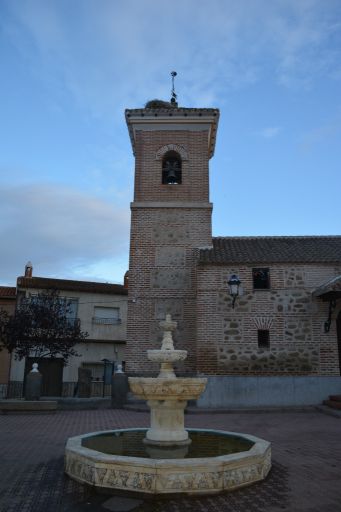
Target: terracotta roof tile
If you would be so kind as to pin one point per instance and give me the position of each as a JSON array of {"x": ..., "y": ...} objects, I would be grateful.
[
  {"x": 7, "y": 291},
  {"x": 67, "y": 284},
  {"x": 273, "y": 249}
]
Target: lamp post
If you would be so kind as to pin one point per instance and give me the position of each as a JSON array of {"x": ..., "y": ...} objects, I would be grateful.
[{"x": 234, "y": 283}]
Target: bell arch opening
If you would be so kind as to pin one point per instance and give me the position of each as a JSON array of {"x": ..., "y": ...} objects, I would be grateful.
[{"x": 171, "y": 168}]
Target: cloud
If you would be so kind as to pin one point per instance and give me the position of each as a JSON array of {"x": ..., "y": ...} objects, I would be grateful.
[
  {"x": 306, "y": 41},
  {"x": 63, "y": 232},
  {"x": 270, "y": 132},
  {"x": 121, "y": 53}
]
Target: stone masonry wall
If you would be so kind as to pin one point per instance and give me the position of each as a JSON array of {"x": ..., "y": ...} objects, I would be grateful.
[{"x": 227, "y": 340}]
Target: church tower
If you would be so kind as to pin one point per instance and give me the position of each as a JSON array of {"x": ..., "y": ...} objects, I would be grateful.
[{"x": 170, "y": 220}]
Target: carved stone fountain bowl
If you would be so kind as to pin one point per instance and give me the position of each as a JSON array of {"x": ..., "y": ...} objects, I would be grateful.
[
  {"x": 166, "y": 475},
  {"x": 166, "y": 356},
  {"x": 150, "y": 388}
]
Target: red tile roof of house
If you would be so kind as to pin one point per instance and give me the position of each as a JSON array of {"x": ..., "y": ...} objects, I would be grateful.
[
  {"x": 47, "y": 283},
  {"x": 8, "y": 291}
]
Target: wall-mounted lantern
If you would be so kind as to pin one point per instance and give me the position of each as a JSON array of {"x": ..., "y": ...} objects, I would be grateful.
[
  {"x": 327, "y": 323},
  {"x": 234, "y": 283}
]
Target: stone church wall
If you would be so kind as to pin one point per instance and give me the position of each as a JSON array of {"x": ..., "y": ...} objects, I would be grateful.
[{"x": 227, "y": 338}]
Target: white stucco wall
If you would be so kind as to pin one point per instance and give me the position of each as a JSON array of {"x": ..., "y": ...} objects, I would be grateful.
[
  {"x": 104, "y": 341},
  {"x": 92, "y": 353}
]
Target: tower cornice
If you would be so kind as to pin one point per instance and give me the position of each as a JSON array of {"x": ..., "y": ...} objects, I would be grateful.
[{"x": 173, "y": 119}]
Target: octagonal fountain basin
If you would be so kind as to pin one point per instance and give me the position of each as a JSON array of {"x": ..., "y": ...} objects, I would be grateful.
[{"x": 215, "y": 461}]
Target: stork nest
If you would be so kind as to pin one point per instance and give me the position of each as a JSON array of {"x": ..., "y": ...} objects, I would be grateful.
[{"x": 158, "y": 104}]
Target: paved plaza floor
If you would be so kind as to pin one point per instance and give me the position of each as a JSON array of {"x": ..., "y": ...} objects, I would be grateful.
[{"x": 306, "y": 472}]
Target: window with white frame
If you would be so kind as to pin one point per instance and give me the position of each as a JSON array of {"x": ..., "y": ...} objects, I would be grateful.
[{"x": 106, "y": 316}]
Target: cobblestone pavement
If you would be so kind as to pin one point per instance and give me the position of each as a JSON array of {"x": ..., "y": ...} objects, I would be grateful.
[{"x": 306, "y": 473}]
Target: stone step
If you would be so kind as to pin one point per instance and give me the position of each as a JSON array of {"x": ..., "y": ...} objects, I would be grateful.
[
  {"x": 28, "y": 406},
  {"x": 335, "y": 398},
  {"x": 329, "y": 411},
  {"x": 334, "y": 404}
]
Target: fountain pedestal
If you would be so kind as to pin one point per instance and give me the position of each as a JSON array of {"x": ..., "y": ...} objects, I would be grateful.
[
  {"x": 166, "y": 394},
  {"x": 167, "y": 422}
]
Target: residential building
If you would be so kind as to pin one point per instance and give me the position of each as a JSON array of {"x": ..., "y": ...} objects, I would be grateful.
[{"x": 102, "y": 311}]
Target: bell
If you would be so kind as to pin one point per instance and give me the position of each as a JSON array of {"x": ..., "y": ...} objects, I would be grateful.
[
  {"x": 171, "y": 176},
  {"x": 170, "y": 171}
]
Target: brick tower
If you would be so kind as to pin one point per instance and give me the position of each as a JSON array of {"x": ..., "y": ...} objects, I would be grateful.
[{"x": 170, "y": 220}]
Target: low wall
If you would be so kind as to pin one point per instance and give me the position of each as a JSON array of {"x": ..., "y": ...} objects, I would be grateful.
[
  {"x": 3, "y": 391},
  {"x": 70, "y": 389},
  {"x": 229, "y": 391}
]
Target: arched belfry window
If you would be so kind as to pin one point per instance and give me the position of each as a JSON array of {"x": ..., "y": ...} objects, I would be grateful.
[{"x": 171, "y": 168}]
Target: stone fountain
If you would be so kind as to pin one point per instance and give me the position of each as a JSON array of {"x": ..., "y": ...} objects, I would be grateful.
[
  {"x": 167, "y": 458},
  {"x": 167, "y": 395}
]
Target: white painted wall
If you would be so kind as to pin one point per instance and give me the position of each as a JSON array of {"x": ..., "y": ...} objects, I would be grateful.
[{"x": 92, "y": 353}]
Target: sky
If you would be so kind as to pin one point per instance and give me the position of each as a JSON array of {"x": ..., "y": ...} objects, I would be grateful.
[{"x": 68, "y": 70}]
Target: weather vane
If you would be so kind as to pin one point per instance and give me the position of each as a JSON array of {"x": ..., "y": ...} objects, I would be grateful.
[{"x": 174, "y": 96}]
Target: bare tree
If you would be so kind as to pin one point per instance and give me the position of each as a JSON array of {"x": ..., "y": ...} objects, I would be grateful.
[{"x": 42, "y": 326}]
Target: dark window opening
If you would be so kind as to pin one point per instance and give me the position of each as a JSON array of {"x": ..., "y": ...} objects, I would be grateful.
[
  {"x": 171, "y": 169},
  {"x": 263, "y": 338},
  {"x": 261, "y": 278}
]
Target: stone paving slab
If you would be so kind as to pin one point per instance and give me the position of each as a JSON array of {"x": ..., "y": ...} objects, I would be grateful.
[{"x": 306, "y": 473}]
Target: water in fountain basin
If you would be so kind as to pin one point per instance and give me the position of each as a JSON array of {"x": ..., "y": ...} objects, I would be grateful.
[{"x": 130, "y": 444}]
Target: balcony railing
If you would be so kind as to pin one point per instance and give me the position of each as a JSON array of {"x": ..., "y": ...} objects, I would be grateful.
[{"x": 106, "y": 321}]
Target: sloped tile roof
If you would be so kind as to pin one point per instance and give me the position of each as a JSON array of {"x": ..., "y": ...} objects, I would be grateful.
[
  {"x": 46, "y": 283},
  {"x": 7, "y": 291},
  {"x": 273, "y": 249},
  {"x": 333, "y": 285}
]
